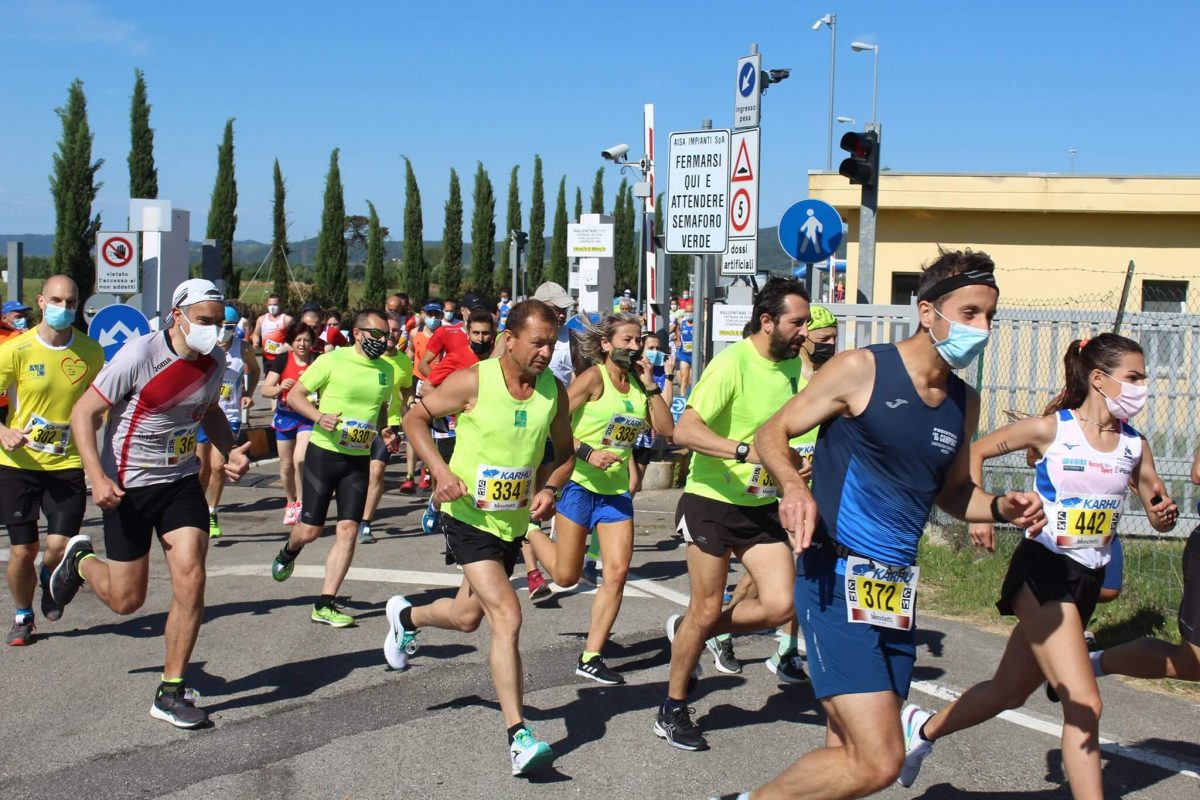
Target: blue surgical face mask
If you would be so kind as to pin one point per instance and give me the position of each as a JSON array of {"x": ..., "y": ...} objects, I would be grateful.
[
  {"x": 19, "y": 323},
  {"x": 656, "y": 358},
  {"x": 962, "y": 344},
  {"x": 431, "y": 323},
  {"x": 58, "y": 317},
  {"x": 448, "y": 316}
]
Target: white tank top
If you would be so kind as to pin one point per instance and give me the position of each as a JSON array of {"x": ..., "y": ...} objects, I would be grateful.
[
  {"x": 1083, "y": 491},
  {"x": 232, "y": 384}
]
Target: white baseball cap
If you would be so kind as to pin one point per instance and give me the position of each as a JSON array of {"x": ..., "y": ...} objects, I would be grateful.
[{"x": 196, "y": 290}]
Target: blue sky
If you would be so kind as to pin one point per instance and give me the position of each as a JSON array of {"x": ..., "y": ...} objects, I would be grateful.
[{"x": 972, "y": 87}]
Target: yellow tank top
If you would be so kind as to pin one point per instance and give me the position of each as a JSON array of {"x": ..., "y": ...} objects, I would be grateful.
[{"x": 611, "y": 423}]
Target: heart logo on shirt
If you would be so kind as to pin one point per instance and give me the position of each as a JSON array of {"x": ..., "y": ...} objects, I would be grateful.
[{"x": 75, "y": 369}]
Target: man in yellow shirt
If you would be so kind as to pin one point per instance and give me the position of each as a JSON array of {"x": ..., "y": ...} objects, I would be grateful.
[{"x": 40, "y": 470}]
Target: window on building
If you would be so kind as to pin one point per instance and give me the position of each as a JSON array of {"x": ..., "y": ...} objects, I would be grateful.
[
  {"x": 904, "y": 287},
  {"x": 1168, "y": 296}
]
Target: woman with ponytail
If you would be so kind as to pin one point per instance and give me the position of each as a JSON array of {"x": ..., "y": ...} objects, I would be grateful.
[
  {"x": 1087, "y": 456},
  {"x": 610, "y": 403}
]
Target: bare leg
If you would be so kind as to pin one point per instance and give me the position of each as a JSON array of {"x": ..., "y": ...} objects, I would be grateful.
[
  {"x": 287, "y": 467},
  {"x": 298, "y": 460},
  {"x": 773, "y": 571},
  {"x": 374, "y": 489},
  {"x": 337, "y": 563},
  {"x": 463, "y": 612},
  {"x": 503, "y": 610},
  {"x": 707, "y": 575},
  {"x": 185, "y": 550},
  {"x": 120, "y": 585},
  {"x": 216, "y": 478},
  {"x": 616, "y": 545},
  {"x": 22, "y": 578},
  {"x": 1153, "y": 658},
  {"x": 562, "y": 559}
]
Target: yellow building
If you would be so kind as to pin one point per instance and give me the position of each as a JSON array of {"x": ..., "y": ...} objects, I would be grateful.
[{"x": 1053, "y": 237}]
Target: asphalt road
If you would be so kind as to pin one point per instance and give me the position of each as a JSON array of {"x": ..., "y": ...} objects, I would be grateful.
[{"x": 305, "y": 711}]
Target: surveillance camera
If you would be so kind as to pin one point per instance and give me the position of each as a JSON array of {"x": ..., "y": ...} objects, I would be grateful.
[
  {"x": 778, "y": 75},
  {"x": 616, "y": 152}
]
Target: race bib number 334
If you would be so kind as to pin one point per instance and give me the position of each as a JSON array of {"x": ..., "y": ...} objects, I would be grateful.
[
  {"x": 502, "y": 488},
  {"x": 877, "y": 594}
]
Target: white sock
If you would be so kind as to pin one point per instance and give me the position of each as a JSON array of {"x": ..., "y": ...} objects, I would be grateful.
[
  {"x": 212, "y": 510},
  {"x": 1095, "y": 657}
]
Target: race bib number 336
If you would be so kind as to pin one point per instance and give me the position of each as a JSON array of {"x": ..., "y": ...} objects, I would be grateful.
[
  {"x": 502, "y": 488},
  {"x": 877, "y": 594}
]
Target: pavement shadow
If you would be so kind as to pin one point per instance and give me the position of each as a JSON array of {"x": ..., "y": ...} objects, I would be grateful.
[
  {"x": 658, "y": 570},
  {"x": 931, "y": 639},
  {"x": 791, "y": 703}
]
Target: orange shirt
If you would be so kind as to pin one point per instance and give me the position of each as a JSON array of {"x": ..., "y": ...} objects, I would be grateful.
[
  {"x": 420, "y": 343},
  {"x": 5, "y": 334}
]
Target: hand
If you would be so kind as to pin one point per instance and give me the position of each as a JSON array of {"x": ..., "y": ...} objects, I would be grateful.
[
  {"x": 1164, "y": 512},
  {"x": 645, "y": 373},
  {"x": 602, "y": 459},
  {"x": 391, "y": 439},
  {"x": 669, "y": 366},
  {"x": 542, "y": 507},
  {"x": 804, "y": 467},
  {"x": 798, "y": 515},
  {"x": 287, "y": 384},
  {"x": 11, "y": 438},
  {"x": 1023, "y": 509},
  {"x": 329, "y": 421},
  {"x": 105, "y": 493},
  {"x": 238, "y": 463},
  {"x": 247, "y": 401},
  {"x": 450, "y": 487},
  {"x": 982, "y": 535}
]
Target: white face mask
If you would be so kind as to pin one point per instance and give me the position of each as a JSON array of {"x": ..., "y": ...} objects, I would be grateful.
[
  {"x": 201, "y": 338},
  {"x": 1128, "y": 402},
  {"x": 227, "y": 335},
  {"x": 273, "y": 310}
]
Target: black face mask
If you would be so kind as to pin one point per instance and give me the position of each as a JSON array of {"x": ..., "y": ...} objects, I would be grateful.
[
  {"x": 481, "y": 349},
  {"x": 624, "y": 357},
  {"x": 373, "y": 348},
  {"x": 822, "y": 353}
]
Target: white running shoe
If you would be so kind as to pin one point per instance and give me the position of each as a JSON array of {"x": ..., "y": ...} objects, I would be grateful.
[
  {"x": 400, "y": 643},
  {"x": 912, "y": 719}
]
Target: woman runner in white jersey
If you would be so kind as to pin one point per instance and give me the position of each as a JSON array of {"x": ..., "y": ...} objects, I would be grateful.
[{"x": 1088, "y": 456}]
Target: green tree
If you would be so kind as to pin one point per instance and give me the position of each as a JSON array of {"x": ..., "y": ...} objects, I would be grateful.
[
  {"x": 598, "y": 192},
  {"x": 535, "y": 256},
  {"x": 143, "y": 177},
  {"x": 222, "y": 214},
  {"x": 578, "y": 203},
  {"x": 483, "y": 231},
  {"x": 73, "y": 186},
  {"x": 503, "y": 276},
  {"x": 450, "y": 277},
  {"x": 623, "y": 251},
  {"x": 414, "y": 277},
  {"x": 330, "y": 285},
  {"x": 374, "y": 282},
  {"x": 279, "y": 246},
  {"x": 559, "y": 267}
]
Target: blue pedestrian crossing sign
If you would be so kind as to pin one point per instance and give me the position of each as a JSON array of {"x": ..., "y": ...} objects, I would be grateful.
[
  {"x": 114, "y": 325},
  {"x": 811, "y": 231}
]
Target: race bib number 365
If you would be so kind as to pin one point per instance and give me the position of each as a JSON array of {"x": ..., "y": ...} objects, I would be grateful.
[
  {"x": 502, "y": 488},
  {"x": 880, "y": 595},
  {"x": 181, "y": 444}
]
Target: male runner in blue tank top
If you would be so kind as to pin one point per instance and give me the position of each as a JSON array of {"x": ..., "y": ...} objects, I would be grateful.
[{"x": 896, "y": 425}]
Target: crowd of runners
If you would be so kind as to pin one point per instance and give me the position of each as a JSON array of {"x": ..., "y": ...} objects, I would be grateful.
[{"x": 529, "y": 425}]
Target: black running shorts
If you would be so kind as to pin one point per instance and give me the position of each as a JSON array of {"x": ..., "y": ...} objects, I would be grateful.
[
  {"x": 147, "y": 510},
  {"x": 717, "y": 527},
  {"x": 379, "y": 451},
  {"x": 327, "y": 474},
  {"x": 25, "y": 493},
  {"x": 469, "y": 544},
  {"x": 1189, "y": 607},
  {"x": 1052, "y": 577}
]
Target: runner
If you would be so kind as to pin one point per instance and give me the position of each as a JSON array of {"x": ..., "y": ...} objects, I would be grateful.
[
  {"x": 663, "y": 370},
  {"x": 292, "y": 429},
  {"x": 381, "y": 455},
  {"x": 507, "y": 409},
  {"x": 331, "y": 336},
  {"x": 502, "y": 309},
  {"x": 157, "y": 391},
  {"x": 609, "y": 403},
  {"x": 450, "y": 337},
  {"x": 270, "y": 330},
  {"x": 557, "y": 298},
  {"x": 47, "y": 370},
  {"x": 895, "y": 424},
  {"x": 1089, "y": 456},
  {"x": 728, "y": 505},
  {"x": 684, "y": 334},
  {"x": 237, "y": 395},
  {"x": 355, "y": 386},
  {"x": 431, "y": 320}
]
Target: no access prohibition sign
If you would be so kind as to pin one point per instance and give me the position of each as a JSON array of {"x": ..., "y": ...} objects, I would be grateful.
[
  {"x": 117, "y": 264},
  {"x": 117, "y": 252}
]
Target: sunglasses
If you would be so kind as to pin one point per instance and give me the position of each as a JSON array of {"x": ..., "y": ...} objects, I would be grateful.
[{"x": 374, "y": 333}]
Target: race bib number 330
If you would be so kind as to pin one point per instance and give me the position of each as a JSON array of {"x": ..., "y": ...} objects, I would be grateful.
[
  {"x": 877, "y": 594},
  {"x": 502, "y": 488},
  {"x": 356, "y": 434}
]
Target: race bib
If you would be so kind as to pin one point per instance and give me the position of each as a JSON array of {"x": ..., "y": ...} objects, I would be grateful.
[
  {"x": 805, "y": 450},
  {"x": 356, "y": 434},
  {"x": 880, "y": 595},
  {"x": 687, "y": 347},
  {"x": 271, "y": 347},
  {"x": 502, "y": 488},
  {"x": 1088, "y": 521},
  {"x": 181, "y": 444},
  {"x": 48, "y": 437},
  {"x": 761, "y": 483},
  {"x": 621, "y": 432},
  {"x": 226, "y": 391}
]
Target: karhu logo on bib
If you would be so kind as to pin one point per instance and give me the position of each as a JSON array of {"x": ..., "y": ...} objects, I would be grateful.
[{"x": 519, "y": 418}]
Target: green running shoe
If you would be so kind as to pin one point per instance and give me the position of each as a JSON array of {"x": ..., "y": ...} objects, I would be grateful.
[
  {"x": 528, "y": 753},
  {"x": 281, "y": 567},
  {"x": 214, "y": 527},
  {"x": 330, "y": 615}
]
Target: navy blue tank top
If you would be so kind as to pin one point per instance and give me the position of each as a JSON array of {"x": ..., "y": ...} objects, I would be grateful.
[{"x": 877, "y": 474}]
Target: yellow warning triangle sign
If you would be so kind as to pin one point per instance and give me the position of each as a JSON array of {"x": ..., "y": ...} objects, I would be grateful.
[{"x": 741, "y": 167}]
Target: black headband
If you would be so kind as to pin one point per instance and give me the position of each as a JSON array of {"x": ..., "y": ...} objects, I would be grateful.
[{"x": 947, "y": 285}]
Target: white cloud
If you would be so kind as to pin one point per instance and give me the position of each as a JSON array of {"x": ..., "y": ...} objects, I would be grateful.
[{"x": 72, "y": 22}]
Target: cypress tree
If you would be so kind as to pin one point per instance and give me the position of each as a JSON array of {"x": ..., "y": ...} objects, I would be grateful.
[
  {"x": 483, "y": 231},
  {"x": 222, "y": 214},
  {"x": 279, "y": 246},
  {"x": 375, "y": 284},
  {"x": 330, "y": 288},
  {"x": 677, "y": 264},
  {"x": 559, "y": 267},
  {"x": 450, "y": 278},
  {"x": 598, "y": 192},
  {"x": 414, "y": 277},
  {"x": 622, "y": 247},
  {"x": 143, "y": 177},
  {"x": 535, "y": 257},
  {"x": 578, "y": 203},
  {"x": 73, "y": 186},
  {"x": 503, "y": 276}
]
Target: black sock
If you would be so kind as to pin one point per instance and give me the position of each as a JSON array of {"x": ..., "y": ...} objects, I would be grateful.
[
  {"x": 289, "y": 553},
  {"x": 325, "y": 601},
  {"x": 514, "y": 730},
  {"x": 670, "y": 704},
  {"x": 921, "y": 732},
  {"x": 406, "y": 618}
]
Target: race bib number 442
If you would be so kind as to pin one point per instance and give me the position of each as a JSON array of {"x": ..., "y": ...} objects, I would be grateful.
[
  {"x": 502, "y": 488},
  {"x": 877, "y": 594},
  {"x": 1086, "y": 521}
]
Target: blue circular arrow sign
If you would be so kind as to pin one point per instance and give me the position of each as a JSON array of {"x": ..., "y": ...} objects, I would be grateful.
[
  {"x": 746, "y": 79},
  {"x": 810, "y": 231},
  {"x": 114, "y": 325}
]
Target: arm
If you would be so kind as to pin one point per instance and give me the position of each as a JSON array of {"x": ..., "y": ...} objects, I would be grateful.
[
  {"x": 1161, "y": 510},
  {"x": 542, "y": 505},
  {"x": 216, "y": 427},
  {"x": 427, "y": 360},
  {"x": 658, "y": 408},
  {"x": 85, "y": 423},
  {"x": 587, "y": 387},
  {"x": 272, "y": 387},
  {"x": 1031, "y": 434},
  {"x": 299, "y": 402},
  {"x": 457, "y": 393},
  {"x": 256, "y": 336},
  {"x": 10, "y": 438}
]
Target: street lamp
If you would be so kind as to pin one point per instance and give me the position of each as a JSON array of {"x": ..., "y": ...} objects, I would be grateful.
[
  {"x": 860, "y": 47},
  {"x": 847, "y": 121},
  {"x": 831, "y": 21}
]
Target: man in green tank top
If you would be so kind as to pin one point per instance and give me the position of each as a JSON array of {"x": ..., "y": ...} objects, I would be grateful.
[{"x": 493, "y": 486}]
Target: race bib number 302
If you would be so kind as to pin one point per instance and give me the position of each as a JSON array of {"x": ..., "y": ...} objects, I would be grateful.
[
  {"x": 880, "y": 595},
  {"x": 502, "y": 488},
  {"x": 48, "y": 437}
]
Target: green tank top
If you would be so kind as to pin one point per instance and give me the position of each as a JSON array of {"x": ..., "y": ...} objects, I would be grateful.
[
  {"x": 501, "y": 442},
  {"x": 611, "y": 423}
]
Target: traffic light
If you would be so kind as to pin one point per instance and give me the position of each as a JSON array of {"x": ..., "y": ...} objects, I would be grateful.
[
  {"x": 862, "y": 167},
  {"x": 521, "y": 238}
]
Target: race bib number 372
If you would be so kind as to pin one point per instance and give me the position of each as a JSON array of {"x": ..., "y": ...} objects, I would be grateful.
[
  {"x": 502, "y": 488},
  {"x": 877, "y": 594}
]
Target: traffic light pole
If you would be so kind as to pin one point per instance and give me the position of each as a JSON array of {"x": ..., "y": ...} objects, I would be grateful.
[{"x": 866, "y": 233}]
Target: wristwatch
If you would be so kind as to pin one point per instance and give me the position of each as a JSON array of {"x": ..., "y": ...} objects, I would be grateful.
[
  {"x": 557, "y": 491},
  {"x": 741, "y": 452}
]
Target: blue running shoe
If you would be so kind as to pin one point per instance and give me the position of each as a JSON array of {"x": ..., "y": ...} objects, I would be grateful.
[{"x": 429, "y": 519}]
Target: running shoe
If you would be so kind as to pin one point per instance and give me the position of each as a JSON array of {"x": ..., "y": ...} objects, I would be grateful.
[
  {"x": 291, "y": 513},
  {"x": 214, "y": 527},
  {"x": 429, "y": 519},
  {"x": 364, "y": 533},
  {"x": 677, "y": 728},
  {"x": 590, "y": 575},
  {"x": 408, "y": 486},
  {"x": 425, "y": 484},
  {"x": 598, "y": 671},
  {"x": 332, "y": 616},
  {"x": 51, "y": 610},
  {"x": 282, "y": 566},
  {"x": 66, "y": 580},
  {"x": 400, "y": 642},
  {"x": 538, "y": 588},
  {"x": 723, "y": 657},
  {"x": 913, "y": 718},
  {"x": 528, "y": 753},
  {"x": 788, "y": 668},
  {"x": 23, "y": 629},
  {"x": 177, "y": 706}
]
